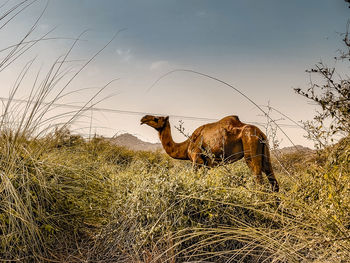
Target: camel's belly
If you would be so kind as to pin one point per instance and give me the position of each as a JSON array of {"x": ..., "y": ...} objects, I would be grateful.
[
  {"x": 218, "y": 146},
  {"x": 229, "y": 153},
  {"x": 233, "y": 152}
]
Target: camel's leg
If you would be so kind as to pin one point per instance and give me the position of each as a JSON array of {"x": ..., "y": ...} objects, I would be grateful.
[
  {"x": 267, "y": 169},
  {"x": 257, "y": 157},
  {"x": 255, "y": 165},
  {"x": 196, "y": 158},
  {"x": 252, "y": 148}
]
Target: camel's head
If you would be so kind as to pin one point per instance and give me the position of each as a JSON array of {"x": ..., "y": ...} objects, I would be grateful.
[{"x": 156, "y": 122}]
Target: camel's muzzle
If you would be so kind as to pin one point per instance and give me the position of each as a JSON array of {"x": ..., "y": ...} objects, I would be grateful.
[{"x": 145, "y": 119}]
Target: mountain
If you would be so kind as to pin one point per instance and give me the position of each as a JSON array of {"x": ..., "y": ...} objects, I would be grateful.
[
  {"x": 296, "y": 149},
  {"x": 133, "y": 143}
]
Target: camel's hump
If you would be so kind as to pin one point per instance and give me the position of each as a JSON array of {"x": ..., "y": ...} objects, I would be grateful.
[{"x": 231, "y": 118}]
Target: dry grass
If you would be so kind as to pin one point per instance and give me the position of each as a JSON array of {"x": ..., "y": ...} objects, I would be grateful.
[{"x": 65, "y": 199}]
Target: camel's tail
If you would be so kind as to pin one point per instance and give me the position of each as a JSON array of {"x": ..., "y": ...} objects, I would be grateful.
[{"x": 266, "y": 165}]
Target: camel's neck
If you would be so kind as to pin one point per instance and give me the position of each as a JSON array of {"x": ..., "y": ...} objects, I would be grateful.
[{"x": 175, "y": 150}]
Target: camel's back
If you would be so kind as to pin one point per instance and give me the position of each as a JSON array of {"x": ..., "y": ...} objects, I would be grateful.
[
  {"x": 231, "y": 120},
  {"x": 215, "y": 129}
]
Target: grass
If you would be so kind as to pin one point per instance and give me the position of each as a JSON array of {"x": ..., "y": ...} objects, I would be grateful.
[{"x": 67, "y": 199}]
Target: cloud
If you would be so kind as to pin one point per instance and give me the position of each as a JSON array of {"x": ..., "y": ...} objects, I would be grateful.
[
  {"x": 159, "y": 64},
  {"x": 124, "y": 54}
]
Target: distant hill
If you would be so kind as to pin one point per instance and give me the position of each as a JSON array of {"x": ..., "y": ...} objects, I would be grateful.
[
  {"x": 133, "y": 143},
  {"x": 296, "y": 149}
]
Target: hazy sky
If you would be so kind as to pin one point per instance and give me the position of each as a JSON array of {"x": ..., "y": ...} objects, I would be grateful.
[{"x": 261, "y": 47}]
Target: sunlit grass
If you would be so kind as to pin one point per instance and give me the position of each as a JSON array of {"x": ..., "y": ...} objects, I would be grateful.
[{"x": 67, "y": 199}]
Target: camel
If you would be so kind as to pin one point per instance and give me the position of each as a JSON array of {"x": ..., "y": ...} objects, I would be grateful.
[{"x": 225, "y": 141}]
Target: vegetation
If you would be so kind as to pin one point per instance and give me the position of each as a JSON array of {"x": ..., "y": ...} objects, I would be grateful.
[
  {"x": 67, "y": 199},
  {"x": 331, "y": 91},
  {"x": 64, "y": 198}
]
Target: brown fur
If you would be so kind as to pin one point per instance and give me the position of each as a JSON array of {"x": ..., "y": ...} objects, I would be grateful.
[{"x": 225, "y": 141}]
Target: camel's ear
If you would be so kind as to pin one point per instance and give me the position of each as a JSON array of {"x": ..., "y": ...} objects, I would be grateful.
[{"x": 166, "y": 118}]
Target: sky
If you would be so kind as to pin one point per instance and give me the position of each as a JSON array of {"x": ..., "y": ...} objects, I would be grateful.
[{"x": 261, "y": 48}]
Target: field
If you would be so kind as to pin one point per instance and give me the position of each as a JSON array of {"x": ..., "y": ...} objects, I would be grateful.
[{"x": 66, "y": 199}]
